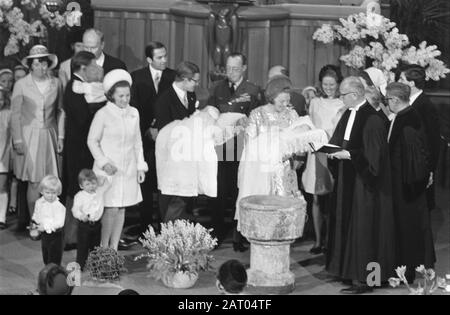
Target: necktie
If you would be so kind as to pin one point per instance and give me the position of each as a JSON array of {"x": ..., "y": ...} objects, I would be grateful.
[
  {"x": 351, "y": 120},
  {"x": 157, "y": 79},
  {"x": 391, "y": 126},
  {"x": 185, "y": 101},
  {"x": 232, "y": 89}
]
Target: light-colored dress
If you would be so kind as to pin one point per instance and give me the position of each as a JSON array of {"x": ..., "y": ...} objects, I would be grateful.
[
  {"x": 271, "y": 139},
  {"x": 325, "y": 113},
  {"x": 115, "y": 138},
  {"x": 37, "y": 120},
  {"x": 5, "y": 140}
]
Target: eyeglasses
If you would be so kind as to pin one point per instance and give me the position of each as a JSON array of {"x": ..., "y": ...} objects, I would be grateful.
[
  {"x": 343, "y": 94},
  {"x": 196, "y": 81}
]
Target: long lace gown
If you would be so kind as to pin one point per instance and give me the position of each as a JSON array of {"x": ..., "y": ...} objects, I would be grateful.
[{"x": 272, "y": 139}]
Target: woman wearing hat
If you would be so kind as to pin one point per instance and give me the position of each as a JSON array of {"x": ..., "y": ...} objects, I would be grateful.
[
  {"x": 37, "y": 122},
  {"x": 116, "y": 145}
]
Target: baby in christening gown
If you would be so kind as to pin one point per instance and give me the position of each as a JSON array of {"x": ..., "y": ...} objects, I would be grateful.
[{"x": 186, "y": 160}]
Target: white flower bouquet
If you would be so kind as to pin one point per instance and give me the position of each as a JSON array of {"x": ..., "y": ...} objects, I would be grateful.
[
  {"x": 181, "y": 246},
  {"x": 377, "y": 38},
  {"x": 427, "y": 285},
  {"x": 20, "y": 32}
]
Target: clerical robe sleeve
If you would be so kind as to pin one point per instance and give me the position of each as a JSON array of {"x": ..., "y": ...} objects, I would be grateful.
[
  {"x": 415, "y": 163},
  {"x": 368, "y": 159}
]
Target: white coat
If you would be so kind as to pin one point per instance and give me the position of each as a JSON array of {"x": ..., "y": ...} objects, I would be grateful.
[{"x": 115, "y": 137}]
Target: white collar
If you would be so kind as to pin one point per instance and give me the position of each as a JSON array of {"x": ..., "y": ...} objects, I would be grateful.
[
  {"x": 413, "y": 97},
  {"x": 79, "y": 76},
  {"x": 154, "y": 72},
  {"x": 181, "y": 93},
  {"x": 236, "y": 85},
  {"x": 357, "y": 107},
  {"x": 101, "y": 60}
]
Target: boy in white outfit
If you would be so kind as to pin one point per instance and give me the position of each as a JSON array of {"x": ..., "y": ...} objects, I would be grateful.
[{"x": 88, "y": 206}]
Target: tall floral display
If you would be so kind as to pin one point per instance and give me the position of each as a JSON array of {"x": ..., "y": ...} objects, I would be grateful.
[
  {"x": 25, "y": 22},
  {"x": 370, "y": 36}
]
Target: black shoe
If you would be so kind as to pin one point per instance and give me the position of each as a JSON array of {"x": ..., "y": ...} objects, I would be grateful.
[
  {"x": 70, "y": 247},
  {"x": 126, "y": 244},
  {"x": 316, "y": 250},
  {"x": 357, "y": 289},
  {"x": 239, "y": 247}
]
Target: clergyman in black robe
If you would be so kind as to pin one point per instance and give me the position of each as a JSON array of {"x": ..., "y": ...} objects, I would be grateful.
[
  {"x": 410, "y": 168},
  {"x": 361, "y": 226}
]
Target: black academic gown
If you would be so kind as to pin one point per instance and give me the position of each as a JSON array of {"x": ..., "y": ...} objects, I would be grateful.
[
  {"x": 361, "y": 220},
  {"x": 77, "y": 156},
  {"x": 430, "y": 119},
  {"x": 410, "y": 167}
]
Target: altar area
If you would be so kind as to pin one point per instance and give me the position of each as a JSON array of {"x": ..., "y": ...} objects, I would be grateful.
[{"x": 269, "y": 34}]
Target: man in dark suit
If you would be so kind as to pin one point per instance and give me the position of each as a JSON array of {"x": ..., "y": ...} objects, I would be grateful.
[
  {"x": 297, "y": 100},
  {"x": 177, "y": 102},
  {"x": 414, "y": 77},
  {"x": 235, "y": 94},
  {"x": 148, "y": 83},
  {"x": 77, "y": 156},
  {"x": 94, "y": 42}
]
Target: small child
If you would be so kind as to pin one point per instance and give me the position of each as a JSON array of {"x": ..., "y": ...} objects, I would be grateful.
[
  {"x": 309, "y": 93},
  {"x": 88, "y": 206},
  {"x": 232, "y": 277},
  {"x": 49, "y": 216},
  {"x": 5, "y": 154}
]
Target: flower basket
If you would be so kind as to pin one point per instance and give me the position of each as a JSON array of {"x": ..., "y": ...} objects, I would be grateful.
[
  {"x": 178, "y": 253},
  {"x": 180, "y": 280}
]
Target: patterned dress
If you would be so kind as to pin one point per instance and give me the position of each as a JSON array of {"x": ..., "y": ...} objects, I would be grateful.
[{"x": 266, "y": 166}]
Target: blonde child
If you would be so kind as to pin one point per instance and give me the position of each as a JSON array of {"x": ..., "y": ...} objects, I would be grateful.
[
  {"x": 88, "y": 206},
  {"x": 5, "y": 154},
  {"x": 48, "y": 218}
]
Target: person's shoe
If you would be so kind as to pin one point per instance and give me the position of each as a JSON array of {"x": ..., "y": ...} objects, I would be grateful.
[
  {"x": 239, "y": 247},
  {"x": 125, "y": 244},
  {"x": 316, "y": 250},
  {"x": 70, "y": 247},
  {"x": 357, "y": 289},
  {"x": 3, "y": 226},
  {"x": 35, "y": 235}
]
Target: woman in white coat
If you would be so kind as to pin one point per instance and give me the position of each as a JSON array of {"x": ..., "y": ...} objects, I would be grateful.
[{"x": 116, "y": 145}]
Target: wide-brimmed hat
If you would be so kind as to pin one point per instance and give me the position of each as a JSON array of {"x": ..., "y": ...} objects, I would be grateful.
[
  {"x": 115, "y": 76},
  {"x": 40, "y": 51}
]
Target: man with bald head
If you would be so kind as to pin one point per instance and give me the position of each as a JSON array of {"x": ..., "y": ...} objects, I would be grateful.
[
  {"x": 361, "y": 227},
  {"x": 94, "y": 42}
]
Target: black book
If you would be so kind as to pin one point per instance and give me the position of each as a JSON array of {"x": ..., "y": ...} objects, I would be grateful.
[{"x": 327, "y": 148}]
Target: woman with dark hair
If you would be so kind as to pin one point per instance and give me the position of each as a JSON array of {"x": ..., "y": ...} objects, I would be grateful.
[
  {"x": 116, "y": 145},
  {"x": 325, "y": 112},
  {"x": 37, "y": 123}
]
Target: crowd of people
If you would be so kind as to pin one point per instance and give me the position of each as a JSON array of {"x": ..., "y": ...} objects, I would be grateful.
[{"x": 90, "y": 134}]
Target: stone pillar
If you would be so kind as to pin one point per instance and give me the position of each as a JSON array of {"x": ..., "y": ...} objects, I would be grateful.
[{"x": 271, "y": 224}]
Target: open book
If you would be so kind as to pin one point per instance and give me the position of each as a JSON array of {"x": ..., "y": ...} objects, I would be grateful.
[{"x": 326, "y": 148}]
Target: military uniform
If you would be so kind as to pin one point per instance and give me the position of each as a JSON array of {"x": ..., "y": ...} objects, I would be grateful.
[{"x": 229, "y": 98}]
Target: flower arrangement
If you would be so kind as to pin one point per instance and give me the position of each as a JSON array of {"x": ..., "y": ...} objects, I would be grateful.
[
  {"x": 181, "y": 246},
  {"x": 18, "y": 32},
  {"x": 427, "y": 285},
  {"x": 370, "y": 35}
]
